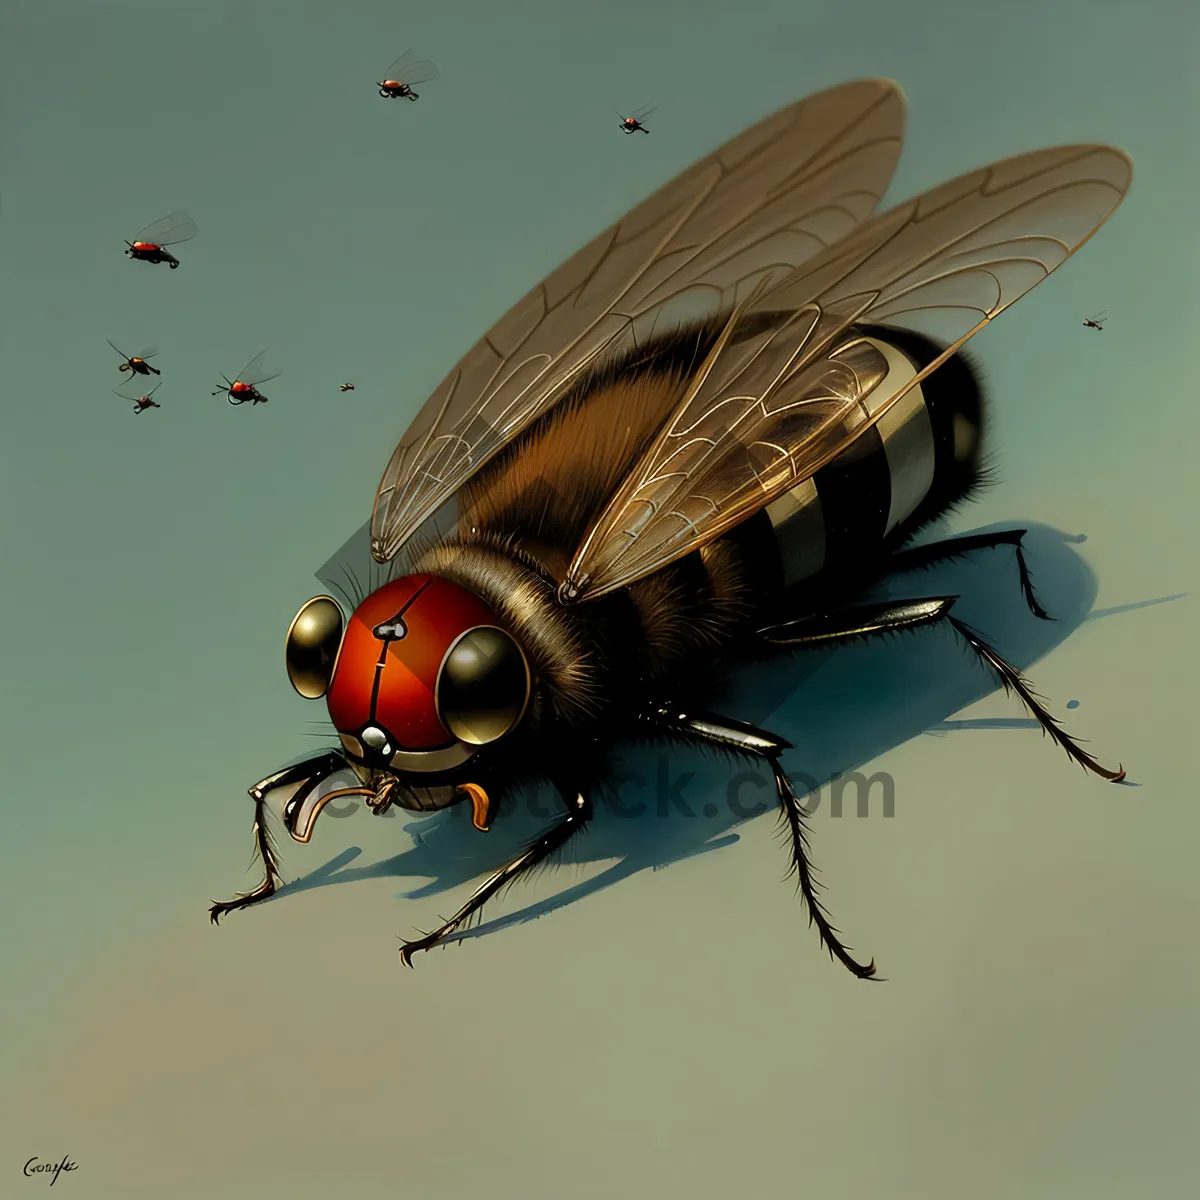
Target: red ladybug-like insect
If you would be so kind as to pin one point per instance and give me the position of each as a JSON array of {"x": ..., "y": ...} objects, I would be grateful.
[
  {"x": 634, "y": 123},
  {"x": 398, "y": 80},
  {"x": 136, "y": 364},
  {"x": 150, "y": 245},
  {"x": 140, "y": 403},
  {"x": 244, "y": 389}
]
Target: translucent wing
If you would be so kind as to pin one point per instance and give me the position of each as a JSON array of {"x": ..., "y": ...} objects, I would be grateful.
[
  {"x": 133, "y": 392},
  {"x": 149, "y": 352},
  {"x": 779, "y": 398},
  {"x": 771, "y": 198},
  {"x": 406, "y": 69},
  {"x": 169, "y": 231},
  {"x": 256, "y": 371}
]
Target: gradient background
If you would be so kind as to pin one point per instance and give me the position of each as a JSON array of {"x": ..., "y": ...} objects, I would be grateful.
[{"x": 681, "y": 1032}]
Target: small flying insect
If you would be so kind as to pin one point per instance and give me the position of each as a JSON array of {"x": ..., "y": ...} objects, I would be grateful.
[
  {"x": 151, "y": 244},
  {"x": 1096, "y": 322},
  {"x": 136, "y": 364},
  {"x": 400, "y": 77},
  {"x": 140, "y": 403},
  {"x": 643, "y": 511},
  {"x": 345, "y": 387},
  {"x": 634, "y": 123},
  {"x": 244, "y": 389}
]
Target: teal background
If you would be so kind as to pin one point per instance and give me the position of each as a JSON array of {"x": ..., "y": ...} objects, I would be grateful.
[{"x": 680, "y": 1032}]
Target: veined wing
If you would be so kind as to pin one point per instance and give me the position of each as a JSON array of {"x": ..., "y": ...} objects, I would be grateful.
[
  {"x": 769, "y": 408},
  {"x": 257, "y": 371},
  {"x": 169, "y": 230},
  {"x": 769, "y": 199},
  {"x": 406, "y": 69}
]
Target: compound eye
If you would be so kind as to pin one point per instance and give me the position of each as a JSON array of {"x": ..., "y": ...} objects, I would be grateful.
[
  {"x": 483, "y": 685},
  {"x": 312, "y": 646}
]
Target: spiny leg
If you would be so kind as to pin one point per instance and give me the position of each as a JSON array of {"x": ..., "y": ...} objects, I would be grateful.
[
  {"x": 264, "y": 848},
  {"x": 313, "y": 770},
  {"x": 793, "y": 815},
  {"x": 739, "y": 736},
  {"x": 1014, "y": 681},
  {"x": 894, "y": 616},
  {"x": 579, "y": 814},
  {"x": 920, "y": 557}
]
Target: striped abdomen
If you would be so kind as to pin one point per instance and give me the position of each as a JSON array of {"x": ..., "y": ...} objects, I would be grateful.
[{"x": 919, "y": 460}]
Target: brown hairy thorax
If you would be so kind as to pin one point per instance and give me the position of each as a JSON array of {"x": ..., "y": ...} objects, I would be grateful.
[{"x": 525, "y": 513}]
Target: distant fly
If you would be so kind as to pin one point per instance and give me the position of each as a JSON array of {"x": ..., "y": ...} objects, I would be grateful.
[
  {"x": 1096, "y": 322},
  {"x": 150, "y": 245},
  {"x": 398, "y": 81},
  {"x": 136, "y": 364},
  {"x": 634, "y": 123},
  {"x": 345, "y": 387},
  {"x": 244, "y": 389},
  {"x": 140, "y": 403}
]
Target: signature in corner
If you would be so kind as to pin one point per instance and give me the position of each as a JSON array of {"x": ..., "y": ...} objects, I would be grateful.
[{"x": 35, "y": 1167}]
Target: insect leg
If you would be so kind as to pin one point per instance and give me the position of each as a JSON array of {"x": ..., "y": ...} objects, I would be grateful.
[
  {"x": 579, "y": 814},
  {"x": 313, "y": 770},
  {"x": 898, "y": 615},
  {"x": 921, "y": 557},
  {"x": 738, "y": 736}
]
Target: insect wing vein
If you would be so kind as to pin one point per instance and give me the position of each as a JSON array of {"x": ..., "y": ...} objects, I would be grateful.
[
  {"x": 169, "y": 231},
  {"x": 777, "y": 195},
  {"x": 784, "y": 403}
]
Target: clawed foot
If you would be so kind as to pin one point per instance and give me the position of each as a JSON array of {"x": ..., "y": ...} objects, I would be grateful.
[
  {"x": 219, "y": 909},
  {"x": 425, "y": 942},
  {"x": 410, "y": 948},
  {"x": 380, "y": 800}
]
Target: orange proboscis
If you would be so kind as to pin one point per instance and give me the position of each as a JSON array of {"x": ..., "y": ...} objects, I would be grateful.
[{"x": 479, "y": 805}]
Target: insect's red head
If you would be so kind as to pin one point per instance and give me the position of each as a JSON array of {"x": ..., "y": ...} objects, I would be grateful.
[{"x": 418, "y": 680}]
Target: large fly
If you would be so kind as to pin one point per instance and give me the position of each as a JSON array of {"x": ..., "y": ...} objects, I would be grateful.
[{"x": 641, "y": 512}]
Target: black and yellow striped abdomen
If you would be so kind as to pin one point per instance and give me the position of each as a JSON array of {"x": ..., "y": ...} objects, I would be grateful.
[{"x": 917, "y": 462}]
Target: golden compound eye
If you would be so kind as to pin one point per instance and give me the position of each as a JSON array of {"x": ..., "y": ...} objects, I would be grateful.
[
  {"x": 312, "y": 646},
  {"x": 483, "y": 685}
]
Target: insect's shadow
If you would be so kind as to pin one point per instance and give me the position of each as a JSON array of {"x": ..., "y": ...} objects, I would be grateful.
[{"x": 840, "y": 708}]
